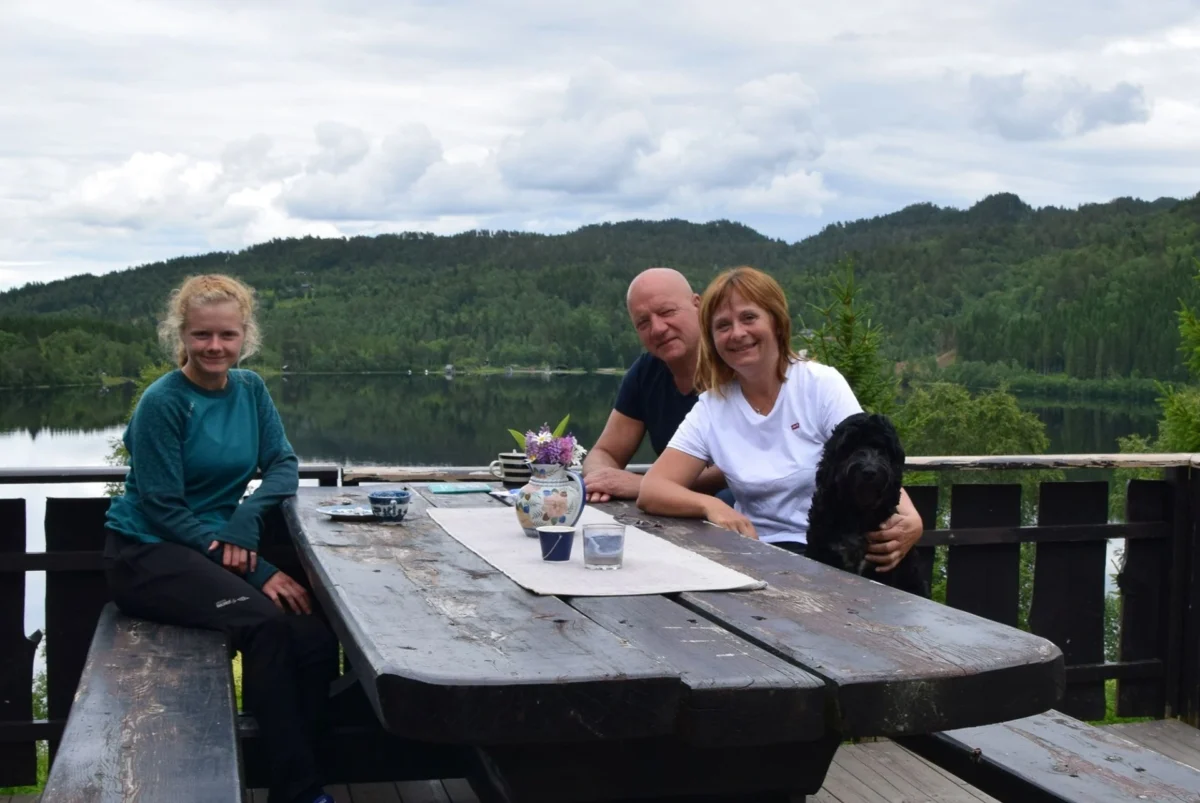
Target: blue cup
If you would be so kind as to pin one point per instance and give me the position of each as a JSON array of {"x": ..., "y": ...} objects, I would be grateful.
[
  {"x": 557, "y": 540},
  {"x": 390, "y": 505}
]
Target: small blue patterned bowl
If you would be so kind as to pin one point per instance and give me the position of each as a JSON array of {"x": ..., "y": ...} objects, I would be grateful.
[{"x": 390, "y": 505}]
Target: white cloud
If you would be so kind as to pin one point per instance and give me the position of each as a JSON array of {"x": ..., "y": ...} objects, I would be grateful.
[{"x": 143, "y": 131}]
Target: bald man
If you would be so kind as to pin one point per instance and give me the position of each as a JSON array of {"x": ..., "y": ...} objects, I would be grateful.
[{"x": 656, "y": 393}]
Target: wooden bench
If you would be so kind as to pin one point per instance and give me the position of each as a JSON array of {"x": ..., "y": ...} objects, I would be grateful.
[
  {"x": 153, "y": 719},
  {"x": 1054, "y": 757}
]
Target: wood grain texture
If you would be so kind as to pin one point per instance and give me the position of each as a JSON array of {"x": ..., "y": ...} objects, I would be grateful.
[
  {"x": 18, "y": 760},
  {"x": 985, "y": 580},
  {"x": 73, "y": 599},
  {"x": 898, "y": 663},
  {"x": 737, "y": 693},
  {"x": 153, "y": 719},
  {"x": 1145, "y": 593},
  {"x": 1174, "y": 739},
  {"x": 1068, "y": 589},
  {"x": 1057, "y": 758},
  {"x": 450, "y": 650}
]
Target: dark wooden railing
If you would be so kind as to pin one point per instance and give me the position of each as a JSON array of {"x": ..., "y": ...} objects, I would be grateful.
[{"x": 981, "y": 533}]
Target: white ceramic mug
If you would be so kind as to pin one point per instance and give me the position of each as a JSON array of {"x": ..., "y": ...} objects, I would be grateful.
[{"x": 511, "y": 467}]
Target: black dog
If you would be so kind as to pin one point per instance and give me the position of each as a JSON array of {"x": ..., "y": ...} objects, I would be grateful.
[{"x": 857, "y": 490}]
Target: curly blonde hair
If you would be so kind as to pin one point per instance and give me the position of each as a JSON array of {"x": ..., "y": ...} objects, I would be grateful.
[
  {"x": 712, "y": 372},
  {"x": 197, "y": 291}
]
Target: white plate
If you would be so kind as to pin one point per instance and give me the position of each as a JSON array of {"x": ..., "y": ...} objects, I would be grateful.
[{"x": 347, "y": 513}]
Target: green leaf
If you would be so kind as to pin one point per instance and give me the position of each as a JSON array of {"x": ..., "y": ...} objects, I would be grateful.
[
  {"x": 562, "y": 426},
  {"x": 520, "y": 438}
]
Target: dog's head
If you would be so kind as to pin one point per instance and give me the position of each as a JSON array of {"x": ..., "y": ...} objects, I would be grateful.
[{"x": 863, "y": 465}]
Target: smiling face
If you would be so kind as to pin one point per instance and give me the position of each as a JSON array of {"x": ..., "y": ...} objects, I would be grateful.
[
  {"x": 212, "y": 335},
  {"x": 745, "y": 335},
  {"x": 665, "y": 313}
]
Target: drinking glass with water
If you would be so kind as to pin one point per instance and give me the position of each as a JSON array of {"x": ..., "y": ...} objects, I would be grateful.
[{"x": 603, "y": 546}]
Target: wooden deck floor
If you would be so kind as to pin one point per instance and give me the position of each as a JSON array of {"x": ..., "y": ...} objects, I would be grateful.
[{"x": 1170, "y": 737}]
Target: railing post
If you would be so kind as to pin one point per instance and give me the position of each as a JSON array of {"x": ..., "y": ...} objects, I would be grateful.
[
  {"x": 1181, "y": 537},
  {"x": 1189, "y": 633}
]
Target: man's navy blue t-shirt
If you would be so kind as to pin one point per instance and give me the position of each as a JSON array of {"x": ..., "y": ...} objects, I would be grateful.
[{"x": 648, "y": 394}]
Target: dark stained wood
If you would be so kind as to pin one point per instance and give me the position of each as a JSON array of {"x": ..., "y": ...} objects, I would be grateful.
[
  {"x": 1144, "y": 582},
  {"x": 18, "y": 762},
  {"x": 83, "y": 561},
  {"x": 1053, "y": 757},
  {"x": 900, "y": 664},
  {"x": 419, "y": 792},
  {"x": 1049, "y": 461},
  {"x": 1189, "y": 692},
  {"x": 516, "y": 662},
  {"x": 73, "y": 599},
  {"x": 324, "y": 473},
  {"x": 154, "y": 719},
  {"x": 1091, "y": 673},
  {"x": 459, "y": 790},
  {"x": 978, "y": 536},
  {"x": 1174, "y": 739},
  {"x": 985, "y": 580},
  {"x": 738, "y": 694},
  {"x": 649, "y": 769},
  {"x": 884, "y": 772},
  {"x": 1184, "y": 526},
  {"x": 1068, "y": 589},
  {"x": 925, "y": 500}
]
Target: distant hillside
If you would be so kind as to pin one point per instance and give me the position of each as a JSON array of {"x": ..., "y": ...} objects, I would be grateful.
[{"x": 1090, "y": 292}]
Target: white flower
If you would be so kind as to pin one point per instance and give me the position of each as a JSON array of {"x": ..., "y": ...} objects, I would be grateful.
[{"x": 543, "y": 437}]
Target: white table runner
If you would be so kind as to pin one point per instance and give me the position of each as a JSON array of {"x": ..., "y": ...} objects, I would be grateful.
[{"x": 651, "y": 564}]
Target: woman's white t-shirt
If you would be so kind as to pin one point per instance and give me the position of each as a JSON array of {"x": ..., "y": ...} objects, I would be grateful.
[{"x": 770, "y": 461}]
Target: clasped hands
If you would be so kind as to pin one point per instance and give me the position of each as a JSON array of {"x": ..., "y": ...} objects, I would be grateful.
[{"x": 282, "y": 590}]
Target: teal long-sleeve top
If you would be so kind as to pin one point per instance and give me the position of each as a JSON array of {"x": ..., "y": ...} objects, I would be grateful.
[{"x": 192, "y": 454}]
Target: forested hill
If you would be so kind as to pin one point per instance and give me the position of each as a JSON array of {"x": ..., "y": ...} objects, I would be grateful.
[{"x": 1090, "y": 292}]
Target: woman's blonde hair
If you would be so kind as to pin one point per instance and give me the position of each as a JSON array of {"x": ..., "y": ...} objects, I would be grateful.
[
  {"x": 758, "y": 288},
  {"x": 199, "y": 291}
]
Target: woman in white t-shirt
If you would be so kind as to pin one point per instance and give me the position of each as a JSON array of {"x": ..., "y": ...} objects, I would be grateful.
[{"x": 763, "y": 417}]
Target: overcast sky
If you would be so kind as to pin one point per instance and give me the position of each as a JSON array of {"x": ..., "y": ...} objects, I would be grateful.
[{"x": 139, "y": 131}]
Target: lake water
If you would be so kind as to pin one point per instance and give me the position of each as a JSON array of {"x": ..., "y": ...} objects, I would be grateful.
[{"x": 395, "y": 420}]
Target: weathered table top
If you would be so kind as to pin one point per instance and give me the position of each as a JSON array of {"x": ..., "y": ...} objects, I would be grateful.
[{"x": 449, "y": 649}]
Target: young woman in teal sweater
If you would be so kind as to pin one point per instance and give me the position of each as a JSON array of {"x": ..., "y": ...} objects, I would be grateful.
[{"x": 182, "y": 547}]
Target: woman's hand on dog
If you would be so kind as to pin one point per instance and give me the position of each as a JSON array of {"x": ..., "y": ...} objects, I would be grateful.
[
  {"x": 891, "y": 542},
  {"x": 726, "y": 517}
]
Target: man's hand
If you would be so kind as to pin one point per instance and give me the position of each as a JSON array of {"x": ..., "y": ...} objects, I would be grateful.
[
  {"x": 236, "y": 559},
  {"x": 607, "y": 483},
  {"x": 891, "y": 542},
  {"x": 287, "y": 593},
  {"x": 726, "y": 517}
]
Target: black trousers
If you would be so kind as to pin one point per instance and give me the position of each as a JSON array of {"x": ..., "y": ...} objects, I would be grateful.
[{"x": 288, "y": 660}]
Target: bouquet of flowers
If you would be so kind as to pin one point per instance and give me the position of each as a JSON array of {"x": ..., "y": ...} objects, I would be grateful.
[{"x": 549, "y": 447}]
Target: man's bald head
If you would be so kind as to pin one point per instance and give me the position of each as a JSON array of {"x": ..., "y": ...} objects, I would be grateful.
[
  {"x": 666, "y": 314},
  {"x": 658, "y": 282}
]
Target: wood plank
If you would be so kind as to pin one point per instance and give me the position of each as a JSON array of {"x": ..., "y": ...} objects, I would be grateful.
[
  {"x": 1189, "y": 693},
  {"x": 910, "y": 771},
  {"x": 925, "y": 500},
  {"x": 737, "y": 693},
  {"x": 1054, "y": 757},
  {"x": 459, "y": 790},
  {"x": 899, "y": 663},
  {"x": 516, "y": 662},
  {"x": 985, "y": 580},
  {"x": 339, "y": 792},
  {"x": 153, "y": 720},
  {"x": 1172, "y": 738},
  {"x": 1068, "y": 589},
  {"x": 73, "y": 599},
  {"x": 1144, "y": 582},
  {"x": 18, "y": 760},
  {"x": 374, "y": 793},
  {"x": 421, "y": 792}
]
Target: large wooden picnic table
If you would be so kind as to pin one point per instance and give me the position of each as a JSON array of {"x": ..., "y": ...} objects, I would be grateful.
[{"x": 713, "y": 694}]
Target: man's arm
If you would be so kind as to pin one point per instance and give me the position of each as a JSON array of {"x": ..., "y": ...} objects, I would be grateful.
[{"x": 604, "y": 466}]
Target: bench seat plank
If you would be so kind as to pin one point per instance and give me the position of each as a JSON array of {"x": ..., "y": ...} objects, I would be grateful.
[
  {"x": 1054, "y": 757},
  {"x": 900, "y": 664},
  {"x": 153, "y": 719}
]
